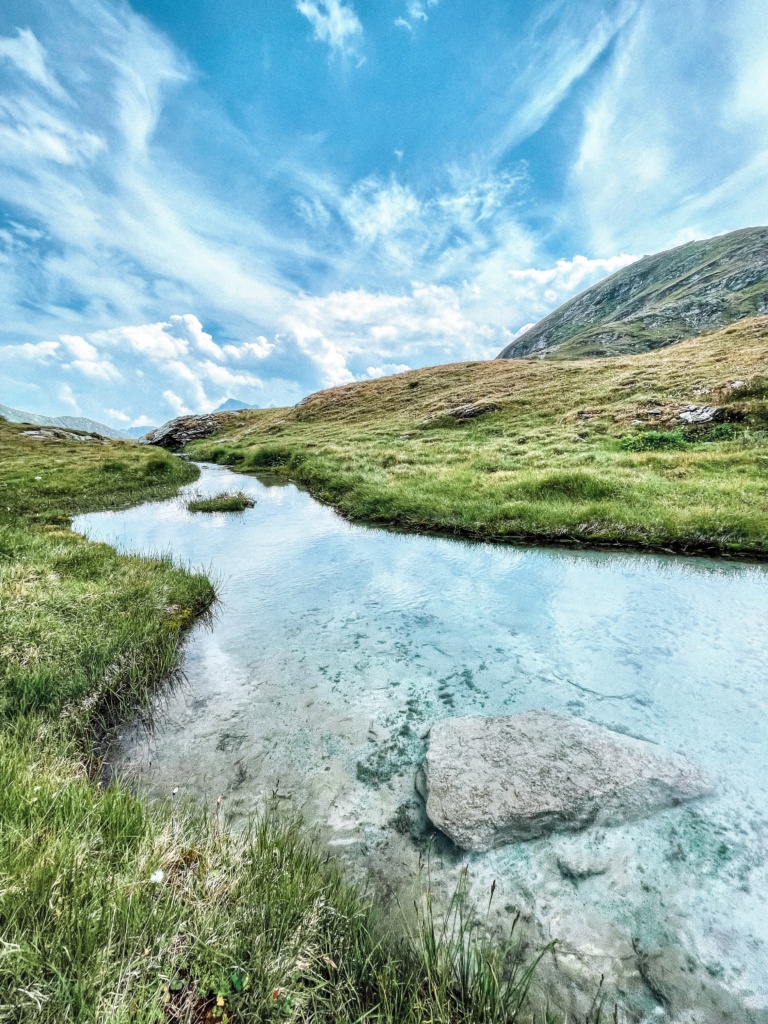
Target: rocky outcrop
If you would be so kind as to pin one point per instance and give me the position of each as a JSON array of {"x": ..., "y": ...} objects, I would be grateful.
[
  {"x": 708, "y": 414},
  {"x": 492, "y": 781},
  {"x": 469, "y": 411},
  {"x": 175, "y": 434},
  {"x": 56, "y": 434}
]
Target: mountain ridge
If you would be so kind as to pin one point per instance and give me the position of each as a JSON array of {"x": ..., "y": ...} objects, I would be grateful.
[
  {"x": 658, "y": 300},
  {"x": 67, "y": 422}
]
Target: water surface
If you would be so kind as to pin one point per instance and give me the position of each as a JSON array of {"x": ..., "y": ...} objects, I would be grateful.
[{"x": 335, "y": 646}]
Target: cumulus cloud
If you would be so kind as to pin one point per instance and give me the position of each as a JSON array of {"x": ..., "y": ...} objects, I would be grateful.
[
  {"x": 65, "y": 394},
  {"x": 149, "y": 362},
  {"x": 335, "y": 23},
  {"x": 176, "y": 403},
  {"x": 344, "y": 332},
  {"x": 32, "y": 352},
  {"x": 386, "y": 370}
]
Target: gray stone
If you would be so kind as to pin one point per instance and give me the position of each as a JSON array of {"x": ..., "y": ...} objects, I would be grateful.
[
  {"x": 471, "y": 411},
  {"x": 175, "y": 434},
  {"x": 701, "y": 414},
  {"x": 491, "y": 781}
]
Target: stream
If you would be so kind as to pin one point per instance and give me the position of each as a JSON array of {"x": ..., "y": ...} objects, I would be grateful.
[{"x": 335, "y": 646}]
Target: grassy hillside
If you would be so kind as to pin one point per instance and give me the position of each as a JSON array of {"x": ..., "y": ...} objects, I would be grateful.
[
  {"x": 658, "y": 300},
  {"x": 591, "y": 451},
  {"x": 112, "y": 911}
]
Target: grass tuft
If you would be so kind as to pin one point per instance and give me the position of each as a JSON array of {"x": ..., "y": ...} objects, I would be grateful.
[{"x": 237, "y": 502}]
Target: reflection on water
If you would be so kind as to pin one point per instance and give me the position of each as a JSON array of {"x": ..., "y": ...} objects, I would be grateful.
[{"x": 335, "y": 646}]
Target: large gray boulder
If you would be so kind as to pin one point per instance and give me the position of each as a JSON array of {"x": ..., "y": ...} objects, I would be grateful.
[
  {"x": 492, "y": 781},
  {"x": 175, "y": 434}
]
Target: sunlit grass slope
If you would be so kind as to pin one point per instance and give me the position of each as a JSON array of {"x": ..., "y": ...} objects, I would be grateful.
[
  {"x": 112, "y": 911},
  {"x": 591, "y": 451}
]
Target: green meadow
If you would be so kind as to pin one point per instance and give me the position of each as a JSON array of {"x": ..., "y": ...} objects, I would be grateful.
[{"x": 591, "y": 451}]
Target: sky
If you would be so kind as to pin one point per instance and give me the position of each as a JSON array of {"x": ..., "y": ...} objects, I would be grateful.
[{"x": 262, "y": 198}]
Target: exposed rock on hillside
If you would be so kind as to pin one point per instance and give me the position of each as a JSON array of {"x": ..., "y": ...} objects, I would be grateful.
[
  {"x": 174, "y": 434},
  {"x": 492, "y": 781},
  {"x": 658, "y": 300},
  {"x": 54, "y": 434}
]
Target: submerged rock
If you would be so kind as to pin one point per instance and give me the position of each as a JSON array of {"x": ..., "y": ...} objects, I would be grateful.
[{"x": 491, "y": 781}]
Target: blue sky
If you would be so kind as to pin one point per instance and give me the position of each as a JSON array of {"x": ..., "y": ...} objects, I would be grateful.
[{"x": 260, "y": 198}]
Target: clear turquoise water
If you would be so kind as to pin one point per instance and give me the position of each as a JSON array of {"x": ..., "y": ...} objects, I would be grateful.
[{"x": 334, "y": 647}]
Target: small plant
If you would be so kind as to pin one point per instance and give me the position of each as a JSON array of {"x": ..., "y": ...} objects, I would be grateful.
[
  {"x": 237, "y": 502},
  {"x": 655, "y": 441}
]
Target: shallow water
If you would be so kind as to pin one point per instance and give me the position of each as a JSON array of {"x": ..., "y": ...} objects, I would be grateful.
[{"x": 335, "y": 646}]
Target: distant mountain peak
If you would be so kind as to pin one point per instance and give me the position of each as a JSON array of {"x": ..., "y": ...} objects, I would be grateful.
[
  {"x": 657, "y": 301},
  {"x": 233, "y": 405}
]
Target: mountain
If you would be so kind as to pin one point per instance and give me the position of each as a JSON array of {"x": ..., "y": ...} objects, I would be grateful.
[
  {"x": 233, "y": 405},
  {"x": 658, "y": 300},
  {"x": 135, "y": 432},
  {"x": 68, "y": 422}
]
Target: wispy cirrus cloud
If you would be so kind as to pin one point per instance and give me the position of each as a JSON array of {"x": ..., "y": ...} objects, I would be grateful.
[
  {"x": 562, "y": 46},
  {"x": 28, "y": 55},
  {"x": 647, "y": 168},
  {"x": 415, "y": 12},
  {"x": 335, "y": 23}
]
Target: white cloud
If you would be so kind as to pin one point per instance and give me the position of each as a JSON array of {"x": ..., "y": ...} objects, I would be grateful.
[
  {"x": 335, "y": 23},
  {"x": 258, "y": 349},
  {"x": 557, "y": 54},
  {"x": 648, "y": 172},
  {"x": 101, "y": 369},
  {"x": 29, "y": 57},
  {"x": 33, "y": 352},
  {"x": 79, "y": 347},
  {"x": 65, "y": 394},
  {"x": 374, "y": 208},
  {"x": 416, "y": 11},
  {"x": 342, "y": 331},
  {"x": 549, "y": 288},
  {"x": 144, "y": 363},
  {"x": 176, "y": 403},
  {"x": 386, "y": 370}
]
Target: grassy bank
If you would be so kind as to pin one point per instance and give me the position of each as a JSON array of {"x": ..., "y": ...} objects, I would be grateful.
[
  {"x": 113, "y": 911},
  {"x": 592, "y": 452}
]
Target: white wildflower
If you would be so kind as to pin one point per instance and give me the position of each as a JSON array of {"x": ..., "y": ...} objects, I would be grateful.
[{"x": 157, "y": 876}]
